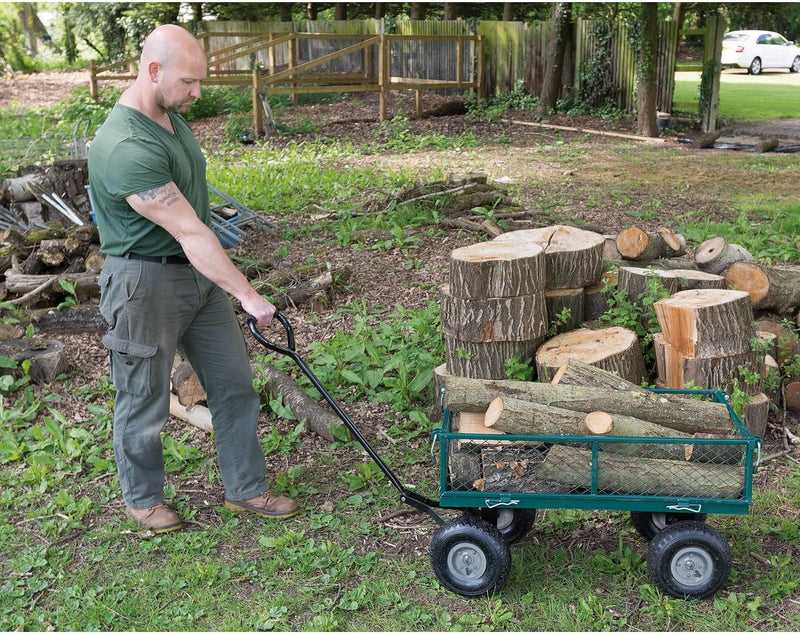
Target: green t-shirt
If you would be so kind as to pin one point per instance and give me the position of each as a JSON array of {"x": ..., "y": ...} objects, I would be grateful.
[{"x": 130, "y": 154}]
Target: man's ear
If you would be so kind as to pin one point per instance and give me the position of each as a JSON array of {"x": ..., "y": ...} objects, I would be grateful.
[{"x": 153, "y": 69}]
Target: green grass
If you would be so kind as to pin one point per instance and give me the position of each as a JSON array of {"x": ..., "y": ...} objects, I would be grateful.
[{"x": 742, "y": 97}]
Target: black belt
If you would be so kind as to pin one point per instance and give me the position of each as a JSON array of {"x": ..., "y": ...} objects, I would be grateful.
[{"x": 164, "y": 259}]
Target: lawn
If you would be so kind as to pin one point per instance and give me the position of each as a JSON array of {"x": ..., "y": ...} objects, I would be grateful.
[{"x": 743, "y": 97}]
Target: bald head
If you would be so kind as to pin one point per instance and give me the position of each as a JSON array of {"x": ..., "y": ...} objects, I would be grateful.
[{"x": 170, "y": 43}]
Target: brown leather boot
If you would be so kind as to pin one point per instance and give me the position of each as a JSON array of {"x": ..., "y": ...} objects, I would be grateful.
[
  {"x": 158, "y": 518},
  {"x": 265, "y": 505}
]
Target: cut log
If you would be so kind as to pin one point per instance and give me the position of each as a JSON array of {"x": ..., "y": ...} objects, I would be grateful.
[
  {"x": 615, "y": 349},
  {"x": 486, "y": 360},
  {"x": 317, "y": 418},
  {"x": 497, "y": 269},
  {"x": 787, "y": 344},
  {"x": 576, "y": 372},
  {"x": 526, "y": 418},
  {"x": 624, "y": 475},
  {"x": 574, "y": 257},
  {"x": 197, "y": 415},
  {"x": 791, "y": 394},
  {"x": 635, "y": 243},
  {"x": 520, "y": 318},
  {"x": 633, "y": 280},
  {"x": 692, "y": 279},
  {"x": 304, "y": 291},
  {"x": 565, "y": 309},
  {"x": 595, "y": 302},
  {"x": 707, "y": 323},
  {"x": 69, "y": 320},
  {"x": 599, "y": 423},
  {"x": 716, "y": 255},
  {"x": 46, "y": 358},
  {"x": 610, "y": 251},
  {"x": 465, "y": 469},
  {"x": 463, "y": 394},
  {"x": 677, "y": 370},
  {"x": 756, "y": 414},
  {"x": 17, "y": 189},
  {"x": 774, "y": 288},
  {"x": 86, "y": 283},
  {"x": 514, "y": 470},
  {"x": 714, "y": 452},
  {"x": 186, "y": 385}
]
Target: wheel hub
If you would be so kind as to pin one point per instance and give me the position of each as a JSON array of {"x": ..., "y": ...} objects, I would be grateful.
[
  {"x": 692, "y": 566},
  {"x": 466, "y": 562}
]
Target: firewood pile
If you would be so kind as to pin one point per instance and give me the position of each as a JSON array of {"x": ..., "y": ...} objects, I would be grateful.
[{"x": 506, "y": 300}]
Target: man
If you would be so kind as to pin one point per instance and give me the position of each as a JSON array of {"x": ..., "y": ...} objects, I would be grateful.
[{"x": 164, "y": 287}]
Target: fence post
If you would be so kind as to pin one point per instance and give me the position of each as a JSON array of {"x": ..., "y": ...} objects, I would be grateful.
[
  {"x": 383, "y": 75},
  {"x": 93, "y": 80},
  {"x": 258, "y": 116}
]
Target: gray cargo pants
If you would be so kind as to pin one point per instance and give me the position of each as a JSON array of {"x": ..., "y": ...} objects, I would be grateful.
[{"x": 154, "y": 309}]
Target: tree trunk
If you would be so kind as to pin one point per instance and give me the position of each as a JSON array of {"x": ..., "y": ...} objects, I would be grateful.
[
  {"x": 615, "y": 349},
  {"x": 573, "y": 257},
  {"x": 418, "y": 10},
  {"x": 707, "y": 323},
  {"x": 340, "y": 11},
  {"x": 623, "y": 475},
  {"x": 508, "y": 11},
  {"x": 556, "y": 47},
  {"x": 774, "y": 288},
  {"x": 716, "y": 255},
  {"x": 646, "y": 124},
  {"x": 463, "y": 394}
]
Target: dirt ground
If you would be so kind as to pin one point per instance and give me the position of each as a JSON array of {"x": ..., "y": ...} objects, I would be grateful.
[{"x": 377, "y": 277}]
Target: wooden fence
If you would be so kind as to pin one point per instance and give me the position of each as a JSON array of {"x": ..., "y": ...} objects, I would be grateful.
[{"x": 357, "y": 55}]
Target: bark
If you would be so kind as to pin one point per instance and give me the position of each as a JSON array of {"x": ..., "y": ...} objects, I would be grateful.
[
  {"x": 634, "y": 243},
  {"x": 623, "y": 475},
  {"x": 69, "y": 320},
  {"x": 573, "y": 257},
  {"x": 774, "y": 288},
  {"x": 186, "y": 385},
  {"x": 714, "y": 452},
  {"x": 463, "y": 394},
  {"x": 595, "y": 302},
  {"x": 556, "y": 47},
  {"x": 46, "y": 358},
  {"x": 565, "y": 309},
  {"x": 485, "y": 360},
  {"x": 707, "y": 323},
  {"x": 755, "y": 414},
  {"x": 520, "y": 318},
  {"x": 615, "y": 349}
]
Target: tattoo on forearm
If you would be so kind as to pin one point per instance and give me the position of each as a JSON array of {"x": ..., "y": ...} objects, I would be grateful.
[{"x": 165, "y": 195}]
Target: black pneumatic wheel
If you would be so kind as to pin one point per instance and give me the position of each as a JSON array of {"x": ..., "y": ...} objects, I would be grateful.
[
  {"x": 470, "y": 557},
  {"x": 513, "y": 524},
  {"x": 689, "y": 560},
  {"x": 648, "y": 524}
]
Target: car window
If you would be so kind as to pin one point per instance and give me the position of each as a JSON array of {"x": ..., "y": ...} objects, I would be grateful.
[
  {"x": 763, "y": 39},
  {"x": 779, "y": 40}
]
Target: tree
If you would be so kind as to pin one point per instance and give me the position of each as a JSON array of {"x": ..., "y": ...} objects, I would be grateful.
[
  {"x": 646, "y": 35},
  {"x": 556, "y": 46}
]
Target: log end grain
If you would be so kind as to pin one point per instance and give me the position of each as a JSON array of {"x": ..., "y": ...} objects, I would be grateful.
[{"x": 748, "y": 277}]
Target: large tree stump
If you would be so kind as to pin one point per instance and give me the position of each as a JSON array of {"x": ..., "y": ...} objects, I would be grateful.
[
  {"x": 463, "y": 394},
  {"x": 624, "y": 475},
  {"x": 574, "y": 257},
  {"x": 716, "y": 255},
  {"x": 497, "y": 269},
  {"x": 774, "y": 288},
  {"x": 635, "y": 243},
  {"x": 615, "y": 349},
  {"x": 756, "y": 414},
  {"x": 678, "y": 370},
  {"x": 707, "y": 323},
  {"x": 519, "y": 318}
]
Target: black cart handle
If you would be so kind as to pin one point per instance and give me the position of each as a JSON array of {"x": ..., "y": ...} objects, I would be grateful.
[{"x": 409, "y": 497}]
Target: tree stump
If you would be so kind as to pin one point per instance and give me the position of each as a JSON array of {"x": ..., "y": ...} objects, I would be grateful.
[
  {"x": 615, "y": 349},
  {"x": 497, "y": 269},
  {"x": 774, "y": 288},
  {"x": 574, "y": 257},
  {"x": 716, "y": 255},
  {"x": 707, "y": 323},
  {"x": 45, "y": 356}
]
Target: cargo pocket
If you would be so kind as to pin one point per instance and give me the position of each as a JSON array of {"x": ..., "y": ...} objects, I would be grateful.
[
  {"x": 104, "y": 282},
  {"x": 131, "y": 365}
]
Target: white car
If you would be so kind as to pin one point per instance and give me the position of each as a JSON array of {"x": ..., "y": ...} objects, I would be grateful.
[{"x": 757, "y": 50}]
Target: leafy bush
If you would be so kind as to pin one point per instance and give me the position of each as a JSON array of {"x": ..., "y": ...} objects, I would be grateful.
[{"x": 215, "y": 101}]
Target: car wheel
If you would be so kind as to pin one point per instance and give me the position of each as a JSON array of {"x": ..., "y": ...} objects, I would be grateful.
[
  {"x": 755, "y": 66},
  {"x": 795, "y": 67}
]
